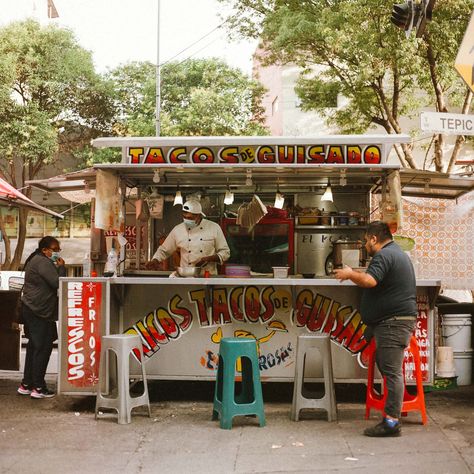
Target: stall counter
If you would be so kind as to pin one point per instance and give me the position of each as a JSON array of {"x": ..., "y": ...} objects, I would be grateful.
[{"x": 182, "y": 320}]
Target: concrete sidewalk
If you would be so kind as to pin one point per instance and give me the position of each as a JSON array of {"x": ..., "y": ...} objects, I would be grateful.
[{"x": 60, "y": 435}]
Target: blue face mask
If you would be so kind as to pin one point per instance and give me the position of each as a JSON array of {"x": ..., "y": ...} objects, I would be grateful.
[
  {"x": 55, "y": 256},
  {"x": 190, "y": 223}
]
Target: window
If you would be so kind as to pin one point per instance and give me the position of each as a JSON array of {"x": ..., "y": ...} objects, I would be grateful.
[
  {"x": 275, "y": 105},
  {"x": 58, "y": 227},
  {"x": 81, "y": 221},
  {"x": 76, "y": 222},
  {"x": 10, "y": 220},
  {"x": 35, "y": 225}
]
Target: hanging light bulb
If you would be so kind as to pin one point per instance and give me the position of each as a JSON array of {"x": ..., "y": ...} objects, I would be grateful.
[
  {"x": 279, "y": 199},
  {"x": 327, "y": 196},
  {"x": 229, "y": 195},
  {"x": 178, "y": 198},
  {"x": 343, "y": 179},
  {"x": 248, "y": 180},
  {"x": 156, "y": 176}
]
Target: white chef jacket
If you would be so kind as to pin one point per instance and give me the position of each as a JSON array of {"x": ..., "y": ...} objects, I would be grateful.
[{"x": 204, "y": 240}]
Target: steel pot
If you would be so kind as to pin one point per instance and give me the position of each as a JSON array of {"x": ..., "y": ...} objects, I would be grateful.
[
  {"x": 189, "y": 271},
  {"x": 348, "y": 252}
]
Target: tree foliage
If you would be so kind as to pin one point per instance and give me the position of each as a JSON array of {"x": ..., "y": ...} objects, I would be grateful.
[
  {"x": 51, "y": 103},
  {"x": 199, "y": 97},
  {"x": 351, "y": 46}
]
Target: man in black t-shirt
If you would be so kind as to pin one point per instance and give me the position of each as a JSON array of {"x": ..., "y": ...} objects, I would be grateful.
[{"x": 388, "y": 307}]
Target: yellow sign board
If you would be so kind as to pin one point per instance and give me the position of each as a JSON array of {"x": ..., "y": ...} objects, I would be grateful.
[{"x": 464, "y": 63}]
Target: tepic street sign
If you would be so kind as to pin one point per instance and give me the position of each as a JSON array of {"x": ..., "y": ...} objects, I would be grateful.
[
  {"x": 464, "y": 63},
  {"x": 449, "y": 124}
]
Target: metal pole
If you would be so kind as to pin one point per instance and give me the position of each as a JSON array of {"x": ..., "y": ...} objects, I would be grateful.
[{"x": 158, "y": 74}]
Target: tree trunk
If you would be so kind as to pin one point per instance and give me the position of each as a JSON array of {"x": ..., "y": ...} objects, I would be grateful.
[
  {"x": 6, "y": 242},
  {"x": 438, "y": 153},
  {"x": 20, "y": 245}
]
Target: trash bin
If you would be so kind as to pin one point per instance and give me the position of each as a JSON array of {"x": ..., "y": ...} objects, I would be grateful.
[{"x": 456, "y": 332}]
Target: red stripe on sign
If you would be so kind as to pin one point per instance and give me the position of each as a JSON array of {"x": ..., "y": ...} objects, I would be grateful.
[{"x": 84, "y": 311}]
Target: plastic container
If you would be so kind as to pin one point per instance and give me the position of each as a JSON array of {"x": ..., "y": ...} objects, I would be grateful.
[
  {"x": 463, "y": 364},
  {"x": 343, "y": 218},
  {"x": 445, "y": 362},
  {"x": 237, "y": 271},
  {"x": 325, "y": 219},
  {"x": 86, "y": 266},
  {"x": 353, "y": 218},
  {"x": 280, "y": 272},
  {"x": 456, "y": 331},
  {"x": 111, "y": 264}
]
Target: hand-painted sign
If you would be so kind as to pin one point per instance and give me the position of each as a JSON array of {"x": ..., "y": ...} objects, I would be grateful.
[
  {"x": 84, "y": 312},
  {"x": 240, "y": 307},
  {"x": 261, "y": 154}
]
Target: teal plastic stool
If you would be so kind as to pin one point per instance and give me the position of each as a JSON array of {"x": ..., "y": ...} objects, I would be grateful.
[{"x": 249, "y": 401}]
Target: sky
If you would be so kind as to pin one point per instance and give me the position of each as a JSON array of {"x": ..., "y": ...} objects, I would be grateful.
[{"x": 118, "y": 31}]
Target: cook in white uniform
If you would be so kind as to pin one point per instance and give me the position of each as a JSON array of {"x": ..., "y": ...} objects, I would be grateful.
[{"x": 201, "y": 242}]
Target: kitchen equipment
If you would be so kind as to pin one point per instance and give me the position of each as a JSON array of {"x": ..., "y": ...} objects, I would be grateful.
[
  {"x": 189, "y": 271},
  {"x": 343, "y": 218},
  {"x": 309, "y": 216},
  {"x": 280, "y": 272},
  {"x": 325, "y": 219},
  {"x": 353, "y": 218},
  {"x": 313, "y": 250},
  {"x": 348, "y": 252}
]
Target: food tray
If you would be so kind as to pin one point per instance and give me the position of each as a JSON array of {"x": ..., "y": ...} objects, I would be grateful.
[{"x": 308, "y": 220}]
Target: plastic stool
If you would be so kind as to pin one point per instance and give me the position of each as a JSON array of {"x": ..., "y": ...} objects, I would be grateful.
[
  {"x": 250, "y": 400},
  {"x": 122, "y": 345},
  {"x": 328, "y": 401},
  {"x": 410, "y": 402}
]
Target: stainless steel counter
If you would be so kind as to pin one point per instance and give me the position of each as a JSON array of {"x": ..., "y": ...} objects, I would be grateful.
[{"x": 219, "y": 280}]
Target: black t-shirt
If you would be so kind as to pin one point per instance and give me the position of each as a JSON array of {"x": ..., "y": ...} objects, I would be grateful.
[{"x": 395, "y": 292}]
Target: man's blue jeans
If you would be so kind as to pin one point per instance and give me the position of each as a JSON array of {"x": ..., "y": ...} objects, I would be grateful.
[{"x": 392, "y": 336}]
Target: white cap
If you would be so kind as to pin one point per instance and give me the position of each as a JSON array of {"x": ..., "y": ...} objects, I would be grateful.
[{"x": 194, "y": 207}]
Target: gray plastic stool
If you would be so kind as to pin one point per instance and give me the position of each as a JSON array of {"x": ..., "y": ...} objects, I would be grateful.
[
  {"x": 122, "y": 345},
  {"x": 328, "y": 401}
]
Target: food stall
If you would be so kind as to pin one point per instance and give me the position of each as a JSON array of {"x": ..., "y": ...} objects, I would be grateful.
[
  {"x": 181, "y": 320},
  {"x": 11, "y": 283}
]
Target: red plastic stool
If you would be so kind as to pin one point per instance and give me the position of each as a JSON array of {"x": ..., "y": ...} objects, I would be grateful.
[{"x": 410, "y": 402}]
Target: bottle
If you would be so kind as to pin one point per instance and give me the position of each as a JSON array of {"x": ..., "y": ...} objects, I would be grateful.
[
  {"x": 86, "y": 266},
  {"x": 111, "y": 264}
]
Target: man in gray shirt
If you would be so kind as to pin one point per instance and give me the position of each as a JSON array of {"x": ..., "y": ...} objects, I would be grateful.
[{"x": 388, "y": 307}]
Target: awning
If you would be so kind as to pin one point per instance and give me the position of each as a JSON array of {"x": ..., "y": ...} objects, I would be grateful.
[
  {"x": 290, "y": 178},
  {"x": 12, "y": 197},
  {"x": 418, "y": 183}
]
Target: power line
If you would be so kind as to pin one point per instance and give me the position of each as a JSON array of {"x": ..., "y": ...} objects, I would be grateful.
[
  {"x": 194, "y": 43},
  {"x": 199, "y": 50}
]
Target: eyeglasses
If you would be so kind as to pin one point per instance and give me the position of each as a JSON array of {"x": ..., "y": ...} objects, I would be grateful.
[{"x": 55, "y": 250}]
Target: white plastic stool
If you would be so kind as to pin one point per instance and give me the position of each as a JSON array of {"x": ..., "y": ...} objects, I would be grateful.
[
  {"x": 328, "y": 401},
  {"x": 122, "y": 345}
]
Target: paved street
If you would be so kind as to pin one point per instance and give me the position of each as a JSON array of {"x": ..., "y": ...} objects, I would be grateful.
[{"x": 61, "y": 435}]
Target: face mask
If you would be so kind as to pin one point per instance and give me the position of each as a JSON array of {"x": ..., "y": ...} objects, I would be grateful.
[
  {"x": 54, "y": 256},
  {"x": 190, "y": 223}
]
